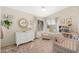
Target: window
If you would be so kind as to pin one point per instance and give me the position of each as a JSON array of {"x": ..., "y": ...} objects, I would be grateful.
[
  {"x": 51, "y": 25},
  {"x": 51, "y": 22}
]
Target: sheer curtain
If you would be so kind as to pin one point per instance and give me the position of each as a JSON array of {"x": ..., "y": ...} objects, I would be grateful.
[
  {"x": 51, "y": 24},
  {"x": 1, "y": 31}
]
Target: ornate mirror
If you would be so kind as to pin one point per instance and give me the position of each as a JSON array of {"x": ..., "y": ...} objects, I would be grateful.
[{"x": 23, "y": 23}]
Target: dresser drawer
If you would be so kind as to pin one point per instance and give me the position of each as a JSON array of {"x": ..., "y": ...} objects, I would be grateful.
[{"x": 23, "y": 37}]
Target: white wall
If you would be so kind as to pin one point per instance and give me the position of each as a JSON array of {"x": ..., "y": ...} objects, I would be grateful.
[{"x": 9, "y": 35}]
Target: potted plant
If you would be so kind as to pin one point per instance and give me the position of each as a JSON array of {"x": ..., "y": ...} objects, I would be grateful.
[{"x": 7, "y": 23}]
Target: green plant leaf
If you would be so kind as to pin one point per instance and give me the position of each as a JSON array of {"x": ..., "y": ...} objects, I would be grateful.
[{"x": 7, "y": 23}]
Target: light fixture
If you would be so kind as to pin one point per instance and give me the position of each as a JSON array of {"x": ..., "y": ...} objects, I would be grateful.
[{"x": 43, "y": 8}]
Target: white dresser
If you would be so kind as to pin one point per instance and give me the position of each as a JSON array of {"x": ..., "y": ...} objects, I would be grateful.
[{"x": 23, "y": 37}]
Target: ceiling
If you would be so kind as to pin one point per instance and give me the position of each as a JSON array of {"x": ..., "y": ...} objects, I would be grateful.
[{"x": 37, "y": 10}]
